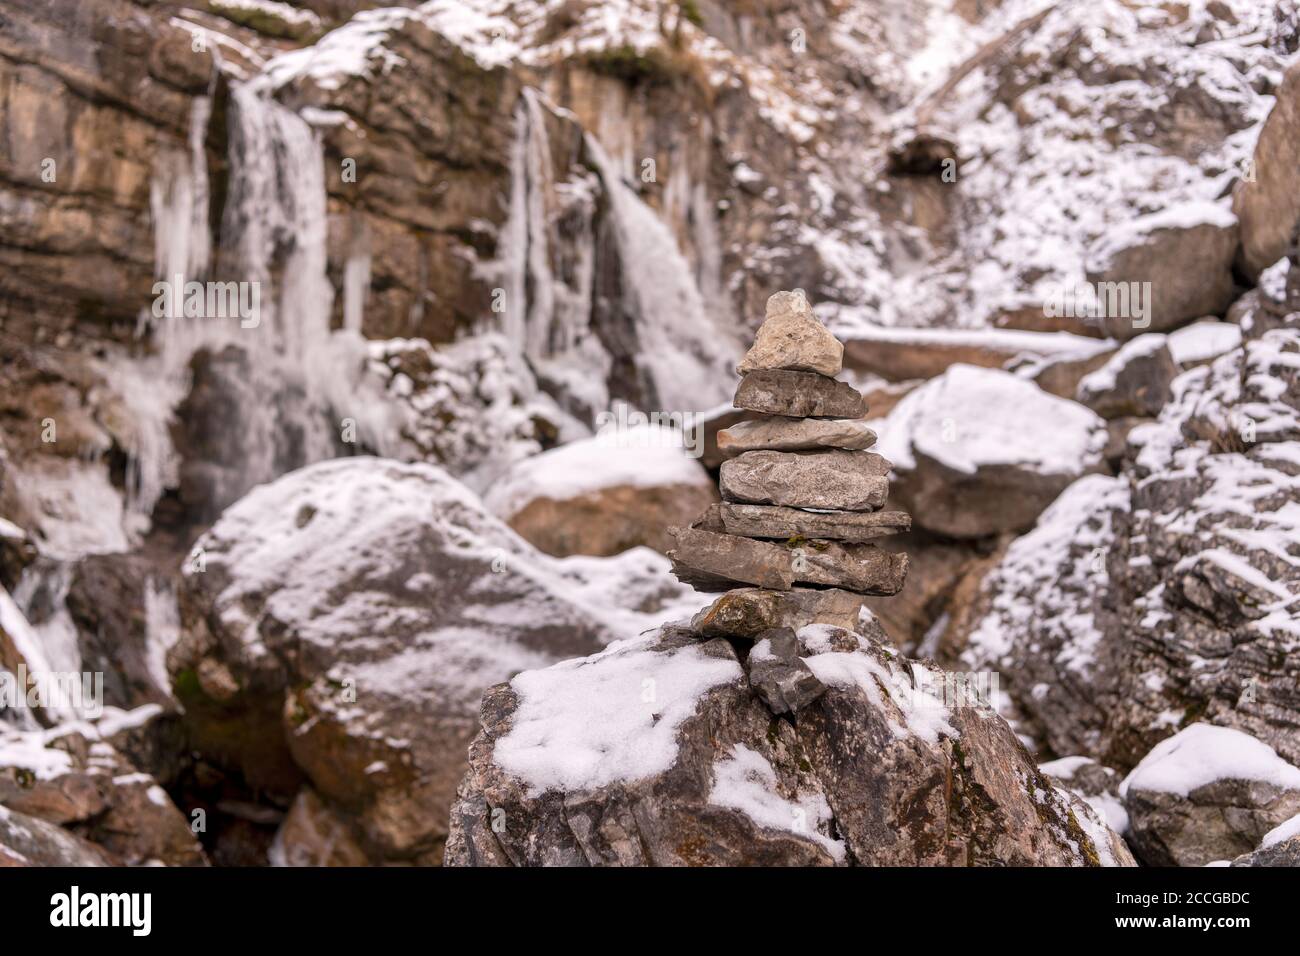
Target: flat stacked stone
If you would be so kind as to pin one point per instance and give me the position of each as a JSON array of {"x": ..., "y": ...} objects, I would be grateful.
[{"x": 802, "y": 500}]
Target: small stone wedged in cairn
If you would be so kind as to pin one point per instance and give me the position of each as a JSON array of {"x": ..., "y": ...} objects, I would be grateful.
[
  {"x": 794, "y": 434},
  {"x": 775, "y": 521},
  {"x": 829, "y": 480},
  {"x": 778, "y": 674},
  {"x": 798, "y": 395},
  {"x": 792, "y": 338},
  {"x": 802, "y": 499}
]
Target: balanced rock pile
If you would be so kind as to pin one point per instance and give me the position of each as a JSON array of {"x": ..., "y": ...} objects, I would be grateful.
[{"x": 801, "y": 502}]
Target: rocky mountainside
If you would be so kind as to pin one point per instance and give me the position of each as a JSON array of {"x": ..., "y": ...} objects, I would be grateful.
[{"x": 474, "y": 281}]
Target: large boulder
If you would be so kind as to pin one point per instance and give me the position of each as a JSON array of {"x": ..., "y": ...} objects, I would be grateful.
[
  {"x": 980, "y": 451},
  {"x": 659, "y": 751},
  {"x": 1268, "y": 203},
  {"x": 340, "y": 624},
  {"x": 1170, "y": 267},
  {"x": 1207, "y": 793},
  {"x": 603, "y": 495}
]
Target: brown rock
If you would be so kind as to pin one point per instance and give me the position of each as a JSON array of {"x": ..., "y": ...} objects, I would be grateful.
[
  {"x": 766, "y": 521},
  {"x": 856, "y": 567},
  {"x": 799, "y": 395},
  {"x": 747, "y": 612},
  {"x": 1180, "y": 259},
  {"x": 791, "y": 337},
  {"x": 1269, "y": 207},
  {"x": 784, "y": 434},
  {"x": 837, "y": 480}
]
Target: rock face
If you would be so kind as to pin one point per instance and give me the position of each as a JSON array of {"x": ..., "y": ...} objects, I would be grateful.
[
  {"x": 603, "y": 495},
  {"x": 1136, "y": 381},
  {"x": 1207, "y": 793},
  {"x": 1163, "y": 597},
  {"x": 660, "y": 751},
  {"x": 1268, "y": 203},
  {"x": 1178, "y": 261},
  {"x": 339, "y": 625},
  {"x": 792, "y": 338},
  {"x": 1280, "y": 847},
  {"x": 977, "y": 452}
]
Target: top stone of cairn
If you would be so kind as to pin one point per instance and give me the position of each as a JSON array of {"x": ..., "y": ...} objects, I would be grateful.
[{"x": 792, "y": 338}]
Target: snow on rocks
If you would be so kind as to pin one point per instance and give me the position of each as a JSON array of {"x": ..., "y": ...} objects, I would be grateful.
[
  {"x": 1043, "y": 621},
  {"x": 87, "y": 777},
  {"x": 1202, "y": 342},
  {"x": 873, "y": 771},
  {"x": 1135, "y": 381},
  {"x": 1176, "y": 265},
  {"x": 340, "y": 624},
  {"x": 1204, "y": 565},
  {"x": 1207, "y": 793},
  {"x": 605, "y": 494},
  {"x": 980, "y": 451}
]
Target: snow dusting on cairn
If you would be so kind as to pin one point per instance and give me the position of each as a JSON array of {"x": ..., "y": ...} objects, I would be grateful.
[{"x": 779, "y": 726}]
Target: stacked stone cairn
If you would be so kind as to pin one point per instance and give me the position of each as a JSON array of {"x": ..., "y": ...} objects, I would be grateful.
[{"x": 790, "y": 543}]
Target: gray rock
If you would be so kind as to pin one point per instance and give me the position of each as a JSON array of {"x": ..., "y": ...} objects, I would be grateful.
[
  {"x": 777, "y": 675},
  {"x": 1220, "y": 821},
  {"x": 1136, "y": 381},
  {"x": 834, "y": 480},
  {"x": 1283, "y": 853},
  {"x": 748, "y": 612},
  {"x": 862, "y": 776},
  {"x": 785, "y": 434},
  {"x": 792, "y": 338},
  {"x": 863, "y": 568},
  {"x": 799, "y": 395},
  {"x": 767, "y": 521},
  {"x": 1208, "y": 793}
]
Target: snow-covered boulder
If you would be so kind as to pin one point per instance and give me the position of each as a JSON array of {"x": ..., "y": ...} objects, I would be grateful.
[
  {"x": 1135, "y": 381},
  {"x": 1175, "y": 265},
  {"x": 658, "y": 751},
  {"x": 1207, "y": 793},
  {"x": 340, "y": 624},
  {"x": 605, "y": 494},
  {"x": 981, "y": 451}
]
